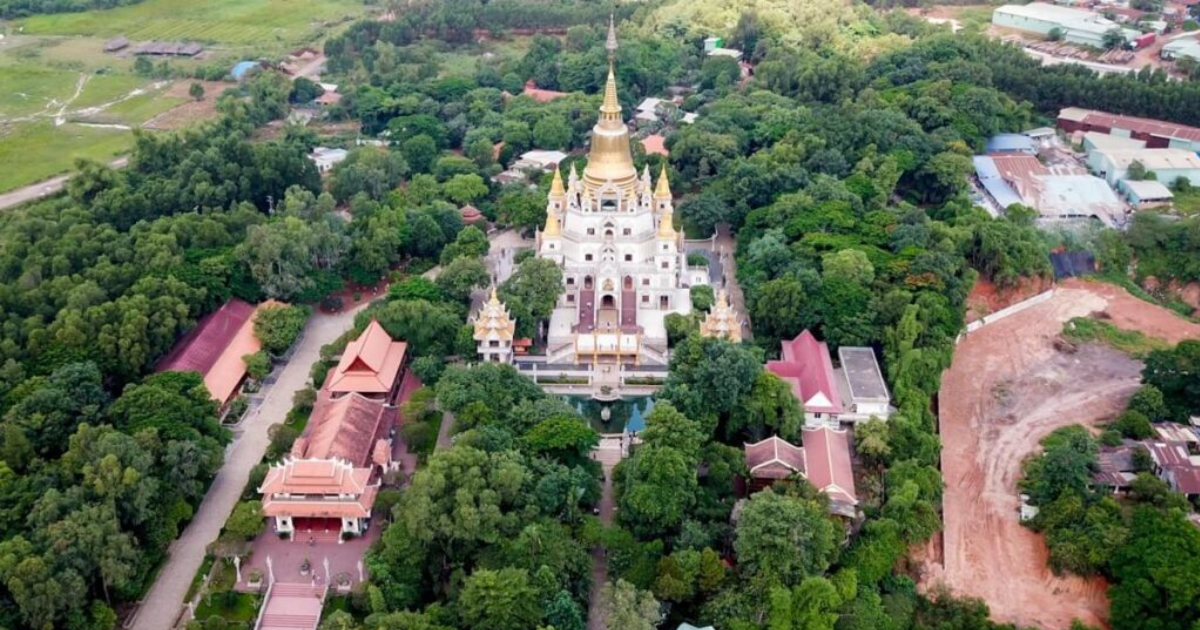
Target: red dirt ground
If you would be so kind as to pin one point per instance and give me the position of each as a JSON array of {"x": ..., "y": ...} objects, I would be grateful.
[{"x": 1007, "y": 389}]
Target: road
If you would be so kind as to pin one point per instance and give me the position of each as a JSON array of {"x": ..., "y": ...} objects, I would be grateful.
[
  {"x": 44, "y": 188},
  {"x": 162, "y": 605},
  {"x": 609, "y": 455}
]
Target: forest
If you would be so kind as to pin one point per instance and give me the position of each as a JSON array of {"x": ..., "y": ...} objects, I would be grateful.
[
  {"x": 10, "y": 9},
  {"x": 840, "y": 165}
]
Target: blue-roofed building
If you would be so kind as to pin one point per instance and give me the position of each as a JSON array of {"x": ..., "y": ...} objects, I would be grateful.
[
  {"x": 1011, "y": 143},
  {"x": 244, "y": 69},
  {"x": 1000, "y": 192}
]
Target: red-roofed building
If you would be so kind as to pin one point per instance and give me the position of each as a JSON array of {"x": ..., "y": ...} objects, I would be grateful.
[
  {"x": 349, "y": 428},
  {"x": 772, "y": 459},
  {"x": 824, "y": 461},
  {"x": 829, "y": 468},
  {"x": 370, "y": 365},
  {"x": 540, "y": 95},
  {"x": 1175, "y": 464},
  {"x": 215, "y": 348},
  {"x": 807, "y": 366},
  {"x": 655, "y": 145},
  {"x": 318, "y": 495},
  {"x": 470, "y": 215},
  {"x": 1157, "y": 134}
]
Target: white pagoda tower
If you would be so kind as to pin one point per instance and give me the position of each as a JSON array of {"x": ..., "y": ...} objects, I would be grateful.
[
  {"x": 623, "y": 262},
  {"x": 722, "y": 321},
  {"x": 494, "y": 331}
]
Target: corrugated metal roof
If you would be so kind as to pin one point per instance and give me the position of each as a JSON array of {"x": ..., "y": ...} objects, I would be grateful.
[{"x": 1007, "y": 142}]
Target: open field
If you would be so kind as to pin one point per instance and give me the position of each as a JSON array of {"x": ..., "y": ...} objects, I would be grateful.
[
  {"x": 215, "y": 21},
  {"x": 35, "y": 151},
  {"x": 1007, "y": 389}
]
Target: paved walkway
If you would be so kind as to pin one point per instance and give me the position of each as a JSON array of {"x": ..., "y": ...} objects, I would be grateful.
[
  {"x": 608, "y": 458},
  {"x": 446, "y": 431},
  {"x": 726, "y": 248},
  {"x": 162, "y": 605}
]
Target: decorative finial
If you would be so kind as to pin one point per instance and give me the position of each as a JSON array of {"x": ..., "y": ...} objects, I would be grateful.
[
  {"x": 556, "y": 186},
  {"x": 611, "y": 44},
  {"x": 663, "y": 191}
]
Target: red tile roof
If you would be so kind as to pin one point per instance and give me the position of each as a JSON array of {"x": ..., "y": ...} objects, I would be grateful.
[
  {"x": 216, "y": 346},
  {"x": 346, "y": 428},
  {"x": 299, "y": 487},
  {"x": 827, "y": 453},
  {"x": 655, "y": 145},
  {"x": 540, "y": 95},
  {"x": 370, "y": 364},
  {"x": 1147, "y": 126},
  {"x": 774, "y": 458},
  {"x": 807, "y": 366}
]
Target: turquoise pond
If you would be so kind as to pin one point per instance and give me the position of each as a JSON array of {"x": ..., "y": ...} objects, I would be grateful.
[{"x": 626, "y": 414}]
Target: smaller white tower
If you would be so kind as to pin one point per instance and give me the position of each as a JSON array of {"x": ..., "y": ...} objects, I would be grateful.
[{"x": 494, "y": 331}]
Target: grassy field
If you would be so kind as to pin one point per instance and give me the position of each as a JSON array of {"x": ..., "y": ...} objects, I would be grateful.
[
  {"x": 214, "y": 21},
  {"x": 36, "y": 151},
  {"x": 1188, "y": 204},
  {"x": 1131, "y": 342}
]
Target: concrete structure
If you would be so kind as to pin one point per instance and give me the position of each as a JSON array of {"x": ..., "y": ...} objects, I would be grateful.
[
  {"x": 1167, "y": 165},
  {"x": 1075, "y": 25},
  {"x": 1156, "y": 133},
  {"x": 494, "y": 331},
  {"x": 722, "y": 321},
  {"x": 1096, "y": 141},
  {"x": 863, "y": 390},
  {"x": 215, "y": 347},
  {"x": 726, "y": 52},
  {"x": 1145, "y": 194},
  {"x": 291, "y": 606},
  {"x": 623, "y": 262},
  {"x": 326, "y": 158}
]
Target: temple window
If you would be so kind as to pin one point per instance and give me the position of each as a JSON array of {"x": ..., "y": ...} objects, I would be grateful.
[
  {"x": 628, "y": 257},
  {"x": 588, "y": 257}
]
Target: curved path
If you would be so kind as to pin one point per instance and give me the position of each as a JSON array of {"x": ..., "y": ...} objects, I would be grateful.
[{"x": 163, "y": 603}]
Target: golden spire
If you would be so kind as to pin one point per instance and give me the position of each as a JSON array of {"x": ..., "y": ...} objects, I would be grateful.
[
  {"x": 556, "y": 186},
  {"x": 610, "y": 161},
  {"x": 664, "y": 186},
  {"x": 493, "y": 321},
  {"x": 553, "y": 226},
  {"x": 495, "y": 298},
  {"x": 666, "y": 225}
]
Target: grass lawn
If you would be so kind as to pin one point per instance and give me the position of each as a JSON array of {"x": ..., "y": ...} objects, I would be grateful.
[
  {"x": 29, "y": 88},
  {"x": 139, "y": 109},
  {"x": 235, "y": 607},
  {"x": 256, "y": 22},
  {"x": 198, "y": 579},
  {"x": 36, "y": 151},
  {"x": 1188, "y": 203},
  {"x": 1131, "y": 342}
]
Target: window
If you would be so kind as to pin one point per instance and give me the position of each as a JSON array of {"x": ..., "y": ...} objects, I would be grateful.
[
  {"x": 591, "y": 231},
  {"x": 570, "y": 297},
  {"x": 571, "y": 281},
  {"x": 664, "y": 247},
  {"x": 628, "y": 257},
  {"x": 665, "y": 264},
  {"x": 645, "y": 282},
  {"x": 646, "y": 299},
  {"x": 588, "y": 257},
  {"x": 493, "y": 344},
  {"x": 626, "y": 232}
]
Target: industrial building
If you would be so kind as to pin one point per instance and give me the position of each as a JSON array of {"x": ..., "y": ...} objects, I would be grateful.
[
  {"x": 1157, "y": 134},
  {"x": 1167, "y": 165},
  {"x": 1056, "y": 193},
  {"x": 1076, "y": 26},
  {"x": 1183, "y": 48}
]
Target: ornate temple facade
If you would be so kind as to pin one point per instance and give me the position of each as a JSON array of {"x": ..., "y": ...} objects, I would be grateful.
[
  {"x": 623, "y": 261},
  {"x": 722, "y": 321}
]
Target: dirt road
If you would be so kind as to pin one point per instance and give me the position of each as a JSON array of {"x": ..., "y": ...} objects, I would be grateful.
[
  {"x": 1007, "y": 389},
  {"x": 43, "y": 188}
]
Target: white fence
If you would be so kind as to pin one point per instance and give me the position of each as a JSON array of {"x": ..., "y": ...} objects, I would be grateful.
[{"x": 1009, "y": 310}]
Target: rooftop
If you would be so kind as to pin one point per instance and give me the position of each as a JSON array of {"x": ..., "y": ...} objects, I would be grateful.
[
  {"x": 808, "y": 367},
  {"x": 827, "y": 456},
  {"x": 1146, "y": 126},
  {"x": 346, "y": 428},
  {"x": 774, "y": 458},
  {"x": 863, "y": 374},
  {"x": 370, "y": 364},
  {"x": 215, "y": 348},
  {"x": 1147, "y": 189},
  {"x": 1104, "y": 141},
  {"x": 1007, "y": 142},
  {"x": 655, "y": 145},
  {"x": 1153, "y": 159}
]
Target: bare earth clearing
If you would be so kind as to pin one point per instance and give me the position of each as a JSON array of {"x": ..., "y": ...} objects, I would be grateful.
[{"x": 1007, "y": 389}]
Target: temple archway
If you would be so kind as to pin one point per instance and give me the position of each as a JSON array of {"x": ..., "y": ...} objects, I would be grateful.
[
  {"x": 587, "y": 282},
  {"x": 628, "y": 283},
  {"x": 608, "y": 301}
]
